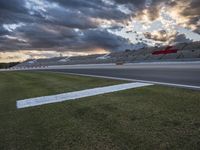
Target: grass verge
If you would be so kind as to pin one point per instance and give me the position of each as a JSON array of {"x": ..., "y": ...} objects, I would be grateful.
[{"x": 154, "y": 117}]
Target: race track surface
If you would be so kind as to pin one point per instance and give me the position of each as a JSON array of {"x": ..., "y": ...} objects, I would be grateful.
[{"x": 176, "y": 73}]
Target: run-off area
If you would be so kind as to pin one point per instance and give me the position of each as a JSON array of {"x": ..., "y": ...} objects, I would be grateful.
[{"x": 151, "y": 117}]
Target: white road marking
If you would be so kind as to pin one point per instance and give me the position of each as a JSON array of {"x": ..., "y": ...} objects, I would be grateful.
[
  {"x": 135, "y": 80},
  {"x": 76, "y": 95}
]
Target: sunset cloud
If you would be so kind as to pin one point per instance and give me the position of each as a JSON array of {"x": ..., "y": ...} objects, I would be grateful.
[{"x": 80, "y": 26}]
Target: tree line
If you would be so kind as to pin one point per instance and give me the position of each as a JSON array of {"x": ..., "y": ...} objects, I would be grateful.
[{"x": 8, "y": 65}]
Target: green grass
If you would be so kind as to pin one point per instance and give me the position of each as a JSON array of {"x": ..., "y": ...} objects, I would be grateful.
[{"x": 153, "y": 117}]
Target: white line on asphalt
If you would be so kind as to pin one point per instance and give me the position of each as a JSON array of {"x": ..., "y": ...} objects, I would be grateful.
[
  {"x": 77, "y": 94},
  {"x": 135, "y": 80}
]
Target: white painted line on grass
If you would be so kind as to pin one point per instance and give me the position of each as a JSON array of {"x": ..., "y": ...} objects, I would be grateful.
[
  {"x": 135, "y": 80},
  {"x": 77, "y": 94}
]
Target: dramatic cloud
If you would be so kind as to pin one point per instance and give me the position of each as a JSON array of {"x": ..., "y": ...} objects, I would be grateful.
[
  {"x": 161, "y": 36},
  {"x": 13, "y": 5},
  {"x": 93, "y": 26},
  {"x": 181, "y": 38},
  {"x": 184, "y": 12}
]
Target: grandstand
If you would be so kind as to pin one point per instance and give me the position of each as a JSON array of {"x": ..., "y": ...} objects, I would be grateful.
[{"x": 178, "y": 52}]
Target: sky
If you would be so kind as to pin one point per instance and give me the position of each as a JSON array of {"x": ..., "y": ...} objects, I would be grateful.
[{"x": 31, "y": 29}]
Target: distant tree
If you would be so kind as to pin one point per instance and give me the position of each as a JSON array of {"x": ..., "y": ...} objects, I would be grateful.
[{"x": 8, "y": 65}]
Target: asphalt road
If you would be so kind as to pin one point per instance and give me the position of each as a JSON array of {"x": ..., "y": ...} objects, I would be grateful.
[{"x": 175, "y": 73}]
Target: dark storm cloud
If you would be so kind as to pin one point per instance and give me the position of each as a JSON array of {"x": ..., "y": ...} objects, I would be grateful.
[
  {"x": 192, "y": 11},
  {"x": 57, "y": 16},
  {"x": 53, "y": 37},
  {"x": 12, "y": 11},
  {"x": 137, "y": 3},
  {"x": 3, "y": 31},
  {"x": 45, "y": 36},
  {"x": 9, "y": 44},
  {"x": 193, "y": 8},
  {"x": 55, "y": 23},
  {"x": 181, "y": 38},
  {"x": 13, "y": 5},
  {"x": 97, "y": 4},
  {"x": 8, "y": 17},
  {"x": 38, "y": 36},
  {"x": 152, "y": 7},
  {"x": 105, "y": 40},
  {"x": 75, "y": 25},
  {"x": 70, "y": 18},
  {"x": 93, "y": 8}
]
